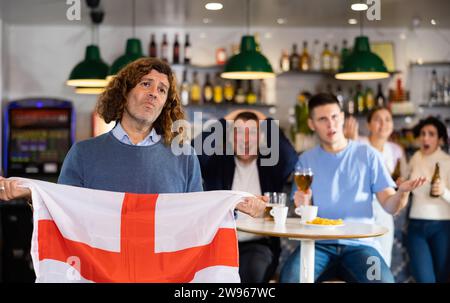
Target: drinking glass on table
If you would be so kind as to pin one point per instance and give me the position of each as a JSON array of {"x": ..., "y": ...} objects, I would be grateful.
[
  {"x": 275, "y": 200},
  {"x": 303, "y": 178}
]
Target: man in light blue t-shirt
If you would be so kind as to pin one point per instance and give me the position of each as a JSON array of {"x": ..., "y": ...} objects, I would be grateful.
[{"x": 346, "y": 175}]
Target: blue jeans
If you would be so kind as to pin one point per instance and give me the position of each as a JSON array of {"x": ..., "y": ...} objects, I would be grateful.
[
  {"x": 348, "y": 262},
  {"x": 429, "y": 250}
]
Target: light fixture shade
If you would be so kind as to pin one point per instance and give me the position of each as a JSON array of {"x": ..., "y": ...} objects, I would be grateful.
[
  {"x": 249, "y": 63},
  {"x": 89, "y": 90},
  {"x": 133, "y": 51},
  {"x": 90, "y": 72},
  {"x": 362, "y": 64}
]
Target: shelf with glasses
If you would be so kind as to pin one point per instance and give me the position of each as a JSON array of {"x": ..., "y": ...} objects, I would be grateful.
[{"x": 430, "y": 64}]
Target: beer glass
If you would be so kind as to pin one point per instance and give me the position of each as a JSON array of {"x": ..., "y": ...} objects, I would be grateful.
[
  {"x": 303, "y": 178},
  {"x": 275, "y": 200}
]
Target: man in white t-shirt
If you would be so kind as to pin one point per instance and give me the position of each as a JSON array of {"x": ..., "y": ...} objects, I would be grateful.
[{"x": 245, "y": 170}]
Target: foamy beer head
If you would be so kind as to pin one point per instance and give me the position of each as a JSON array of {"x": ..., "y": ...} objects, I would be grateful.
[{"x": 303, "y": 179}]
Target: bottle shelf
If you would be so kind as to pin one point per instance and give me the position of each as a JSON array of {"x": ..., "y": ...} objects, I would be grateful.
[
  {"x": 228, "y": 105},
  {"x": 395, "y": 116},
  {"x": 306, "y": 73},
  {"x": 439, "y": 105},
  {"x": 320, "y": 73},
  {"x": 198, "y": 67}
]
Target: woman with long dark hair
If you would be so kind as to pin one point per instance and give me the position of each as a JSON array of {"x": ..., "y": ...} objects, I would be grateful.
[{"x": 429, "y": 226}]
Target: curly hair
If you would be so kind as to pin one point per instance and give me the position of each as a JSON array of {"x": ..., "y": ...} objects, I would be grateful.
[{"x": 111, "y": 103}]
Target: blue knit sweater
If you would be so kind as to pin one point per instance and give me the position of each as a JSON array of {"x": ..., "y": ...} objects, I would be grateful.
[{"x": 106, "y": 163}]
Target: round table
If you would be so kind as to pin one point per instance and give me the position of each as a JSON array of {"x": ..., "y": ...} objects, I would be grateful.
[{"x": 307, "y": 235}]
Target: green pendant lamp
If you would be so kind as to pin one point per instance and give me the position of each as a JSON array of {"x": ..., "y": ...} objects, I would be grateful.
[
  {"x": 133, "y": 50},
  {"x": 362, "y": 64},
  {"x": 90, "y": 72},
  {"x": 249, "y": 63}
]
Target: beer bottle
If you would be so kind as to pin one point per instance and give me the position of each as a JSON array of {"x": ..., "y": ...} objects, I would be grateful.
[
  {"x": 397, "y": 171},
  {"x": 196, "y": 91},
  {"x": 218, "y": 89},
  {"x": 435, "y": 177}
]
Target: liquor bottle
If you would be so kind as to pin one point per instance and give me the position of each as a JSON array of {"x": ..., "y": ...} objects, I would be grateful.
[
  {"x": 440, "y": 94},
  {"x": 221, "y": 56},
  {"x": 380, "y": 98},
  {"x": 176, "y": 51},
  {"x": 196, "y": 92},
  {"x": 250, "y": 96},
  {"x": 399, "y": 93},
  {"x": 315, "y": 64},
  {"x": 228, "y": 91},
  {"x": 301, "y": 113},
  {"x": 345, "y": 52},
  {"x": 335, "y": 59},
  {"x": 326, "y": 59},
  {"x": 294, "y": 59},
  {"x": 218, "y": 89},
  {"x": 434, "y": 87},
  {"x": 359, "y": 99},
  {"x": 262, "y": 92},
  {"x": 165, "y": 49},
  {"x": 184, "y": 91},
  {"x": 207, "y": 90},
  {"x": 284, "y": 61},
  {"x": 446, "y": 89},
  {"x": 152, "y": 49},
  {"x": 436, "y": 176},
  {"x": 370, "y": 101},
  {"x": 305, "y": 58},
  {"x": 239, "y": 97},
  {"x": 187, "y": 50}
]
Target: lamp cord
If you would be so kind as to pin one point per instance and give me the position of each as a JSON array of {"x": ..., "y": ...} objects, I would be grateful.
[
  {"x": 361, "y": 19},
  {"x": 248, "y": 17},
  {"x": 134, "y": 18}
]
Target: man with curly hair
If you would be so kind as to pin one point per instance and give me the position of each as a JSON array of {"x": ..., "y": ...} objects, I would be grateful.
[{"x": 136, "y": 155}]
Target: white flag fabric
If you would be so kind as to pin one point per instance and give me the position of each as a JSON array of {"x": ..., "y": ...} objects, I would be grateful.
[{"x": 86, "y": 235}]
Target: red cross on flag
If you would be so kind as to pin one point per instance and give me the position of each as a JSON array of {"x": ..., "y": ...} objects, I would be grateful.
[{"x": 86, "y": 235}]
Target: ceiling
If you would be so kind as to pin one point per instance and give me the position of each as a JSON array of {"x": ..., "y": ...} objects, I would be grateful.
[{"x": 297, "y": 13}]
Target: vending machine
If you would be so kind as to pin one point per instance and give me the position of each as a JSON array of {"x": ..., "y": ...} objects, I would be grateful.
[{"x": 38, "y": 133}]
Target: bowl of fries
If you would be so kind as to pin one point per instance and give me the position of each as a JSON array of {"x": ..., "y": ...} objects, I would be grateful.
[{"x": 324, "y": 222}]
